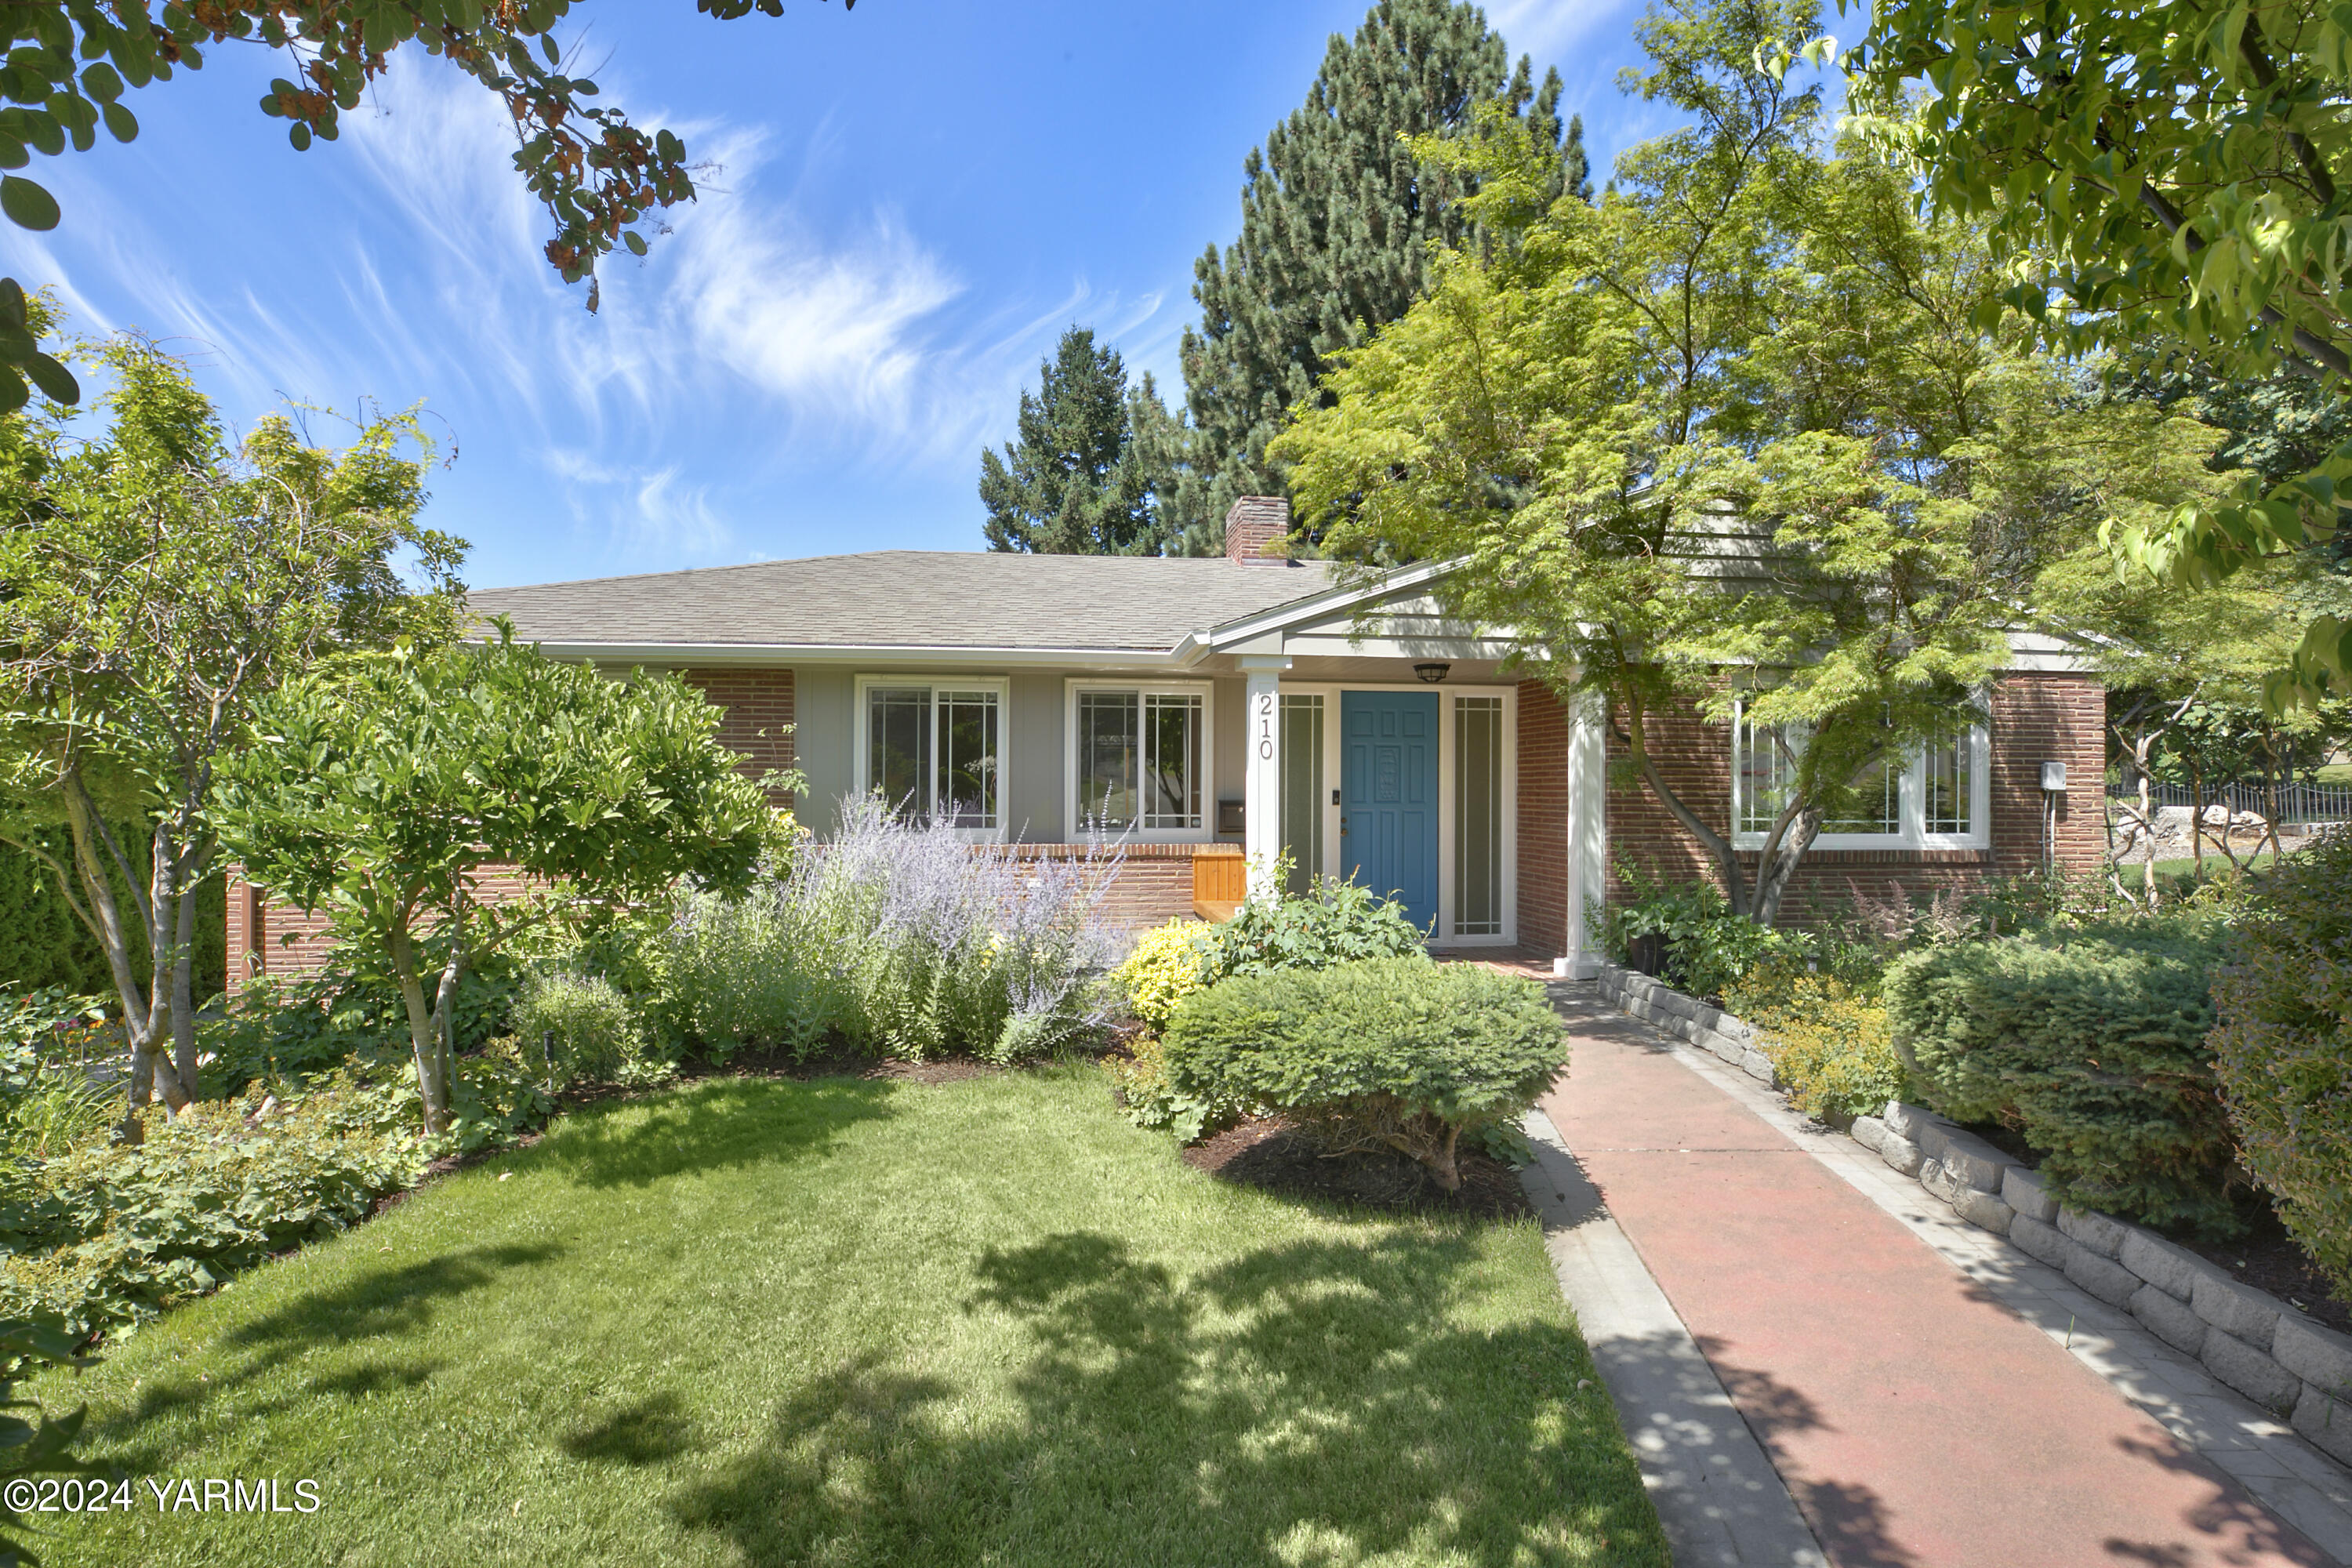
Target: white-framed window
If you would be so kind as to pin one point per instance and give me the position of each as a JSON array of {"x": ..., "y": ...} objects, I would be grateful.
[
  {"x": 1933, "y": 797},
  {"x": 1138, "y": 760},
  {"x": 933, "y": 745}
]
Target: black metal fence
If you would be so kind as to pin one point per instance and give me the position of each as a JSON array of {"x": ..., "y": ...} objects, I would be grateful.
[{"x": 2284, "y": 803}]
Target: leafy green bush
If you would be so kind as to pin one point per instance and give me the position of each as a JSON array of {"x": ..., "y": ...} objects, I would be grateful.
[
  {"x": 1168, "y": 963},
  {"x": 1828, "y": 1042},
  {"x": 43, "y": 944},
  {"x": 2091, "y": 1043},
  {"x": 2284, "y": 1048},
  {"x": 278, "y": 1029},
  {"x": 1151, "y": 1101},
  {"x": 1339, "y": 922},
  {"x": 109, "y": 1234},
  {"x": 583, "y": 1027},
  {"x": 1393, "y": 1053},
  {"x": 1709, "y": 948}
]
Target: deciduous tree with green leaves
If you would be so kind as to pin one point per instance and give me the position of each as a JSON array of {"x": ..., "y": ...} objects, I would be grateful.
[
  {"x": 383, "y": 793},
  {"x": 1734, "y": 438},
  {"x": 2178, "y": 169},
  {"x": 155, "y": 582}
]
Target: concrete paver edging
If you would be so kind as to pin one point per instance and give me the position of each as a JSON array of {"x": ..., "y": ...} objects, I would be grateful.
[
  {"x": 1720, "y": 1500},
  {"x": 2200, "y": 1353}
]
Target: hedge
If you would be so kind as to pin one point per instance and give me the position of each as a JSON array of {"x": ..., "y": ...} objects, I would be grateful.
[
  {"x": 2284, "y": 1048},
  {"x": 41, "y": 942},
  {"x": 1397, "y": 1053},
  {"x": 2091, "y": 1043}
]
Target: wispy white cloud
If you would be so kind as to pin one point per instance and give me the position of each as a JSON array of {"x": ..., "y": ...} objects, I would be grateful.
[
  {"x": 767, "y": 334},
  {"x": 1547, "y": 30}
]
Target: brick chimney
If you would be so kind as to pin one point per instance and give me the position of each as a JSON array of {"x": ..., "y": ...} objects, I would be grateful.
[{"x": 1252, "y": 523}]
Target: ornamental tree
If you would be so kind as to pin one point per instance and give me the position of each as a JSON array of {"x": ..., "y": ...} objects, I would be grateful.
[
  {"x": 1733, "y": 438},
  {"x": 155, "y": 580},
  {"x": 384, "y": 793},
  {"x": 2172, "y": 169}
]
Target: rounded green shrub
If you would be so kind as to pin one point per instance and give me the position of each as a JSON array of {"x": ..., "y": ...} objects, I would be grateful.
[
  {"x": 1390, "y": 1053},
  {"x": 2089, "y": 1041},
  {"x": 1339, "y": 922},
  {"x": 2283, "y": 1048},
  {"x": 585, "y": 1027}
]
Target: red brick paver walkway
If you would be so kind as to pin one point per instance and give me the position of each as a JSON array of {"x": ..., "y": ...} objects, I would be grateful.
[{"x": 1916, "y": 1421}]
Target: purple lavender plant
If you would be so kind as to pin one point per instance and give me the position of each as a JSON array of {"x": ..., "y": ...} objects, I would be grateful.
[{"x": 905, "y": 940}]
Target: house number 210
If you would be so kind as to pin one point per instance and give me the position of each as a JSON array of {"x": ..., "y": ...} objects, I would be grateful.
[{"x": 1265, "y": 726}]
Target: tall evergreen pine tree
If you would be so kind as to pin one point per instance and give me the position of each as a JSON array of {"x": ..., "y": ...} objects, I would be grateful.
[
  {"x": 1073, "y": 482},
  {"x": 1337, "y": 219}
]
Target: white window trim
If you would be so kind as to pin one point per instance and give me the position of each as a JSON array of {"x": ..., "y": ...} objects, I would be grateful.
[
  {"x": 1000, "y": 685},
  {"x": 1911, "y": 797},
  {"x": 1333, "y": 744},
  {"x": 1206, "y": 691}
]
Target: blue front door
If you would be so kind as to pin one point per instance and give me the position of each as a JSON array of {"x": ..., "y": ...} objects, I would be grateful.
[{"x": 1388, "y": 796}]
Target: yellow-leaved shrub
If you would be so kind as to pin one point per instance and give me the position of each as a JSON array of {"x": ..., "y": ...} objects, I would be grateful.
[
  {"x": 1168, "y": 963},
  {"x": 1830, "y": 1044}
]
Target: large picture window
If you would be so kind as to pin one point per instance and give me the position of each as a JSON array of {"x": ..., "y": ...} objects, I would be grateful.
[
  {"x": 1141, "y": 762},
  {"x": 1933, "y": 796},
  {"x": 932, "y": 749}
]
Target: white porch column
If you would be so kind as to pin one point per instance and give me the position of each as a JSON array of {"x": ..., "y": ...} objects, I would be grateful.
[
  {"x": 1262, "y": 788},
  {"x": 1588, "y": 829}
]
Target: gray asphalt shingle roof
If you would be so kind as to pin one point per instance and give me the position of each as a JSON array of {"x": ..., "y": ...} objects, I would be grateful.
[{"x": 912, "y": 598}]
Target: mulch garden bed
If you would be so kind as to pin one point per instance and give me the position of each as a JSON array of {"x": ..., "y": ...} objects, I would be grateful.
[
  {"x": 1268, "y": 1153},
  {"x": 2270, "y": 1259}
]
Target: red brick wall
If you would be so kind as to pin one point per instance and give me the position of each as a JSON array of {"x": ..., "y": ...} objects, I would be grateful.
[
  {"x": 758, "y": 725},
  {"x": 2035, "y": 717},
  {"x": 258, "y": 929},
  {"x": 1154, "y": 884},
  {"x": 1543, "y": 819}
]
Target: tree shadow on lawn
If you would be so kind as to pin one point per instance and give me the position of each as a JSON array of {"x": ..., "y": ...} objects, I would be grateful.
[
  {"x": 393, "y": 1304},
  {"x": 1306, "y": 1401},
  {"x": 707, "y": 1125}
]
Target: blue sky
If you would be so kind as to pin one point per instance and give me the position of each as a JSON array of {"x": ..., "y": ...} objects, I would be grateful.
[{"x": 914, "y": 199}]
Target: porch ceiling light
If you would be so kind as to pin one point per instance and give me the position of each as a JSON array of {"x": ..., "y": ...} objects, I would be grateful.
[{"x": 1433, "y": 672}]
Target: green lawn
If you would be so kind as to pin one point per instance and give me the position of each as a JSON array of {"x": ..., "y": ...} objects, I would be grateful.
[{"x": 862, "y": 1322}]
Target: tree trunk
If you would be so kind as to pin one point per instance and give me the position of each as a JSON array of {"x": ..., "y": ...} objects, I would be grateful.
[
  {"x": 141, "y": 1007},
  {"x": 1447, "y": 1165},
  {"x": 183, "y": 983},
  {"x": 1718, "y": 846},
  {"x": 1773, "y": 880},
  {"x": 2197, "y": 818},
  {"x": 431, "y": 1090}
]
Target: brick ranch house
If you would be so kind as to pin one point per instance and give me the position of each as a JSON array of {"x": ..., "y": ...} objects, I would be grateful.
[{"x": 1205, "y": 711}]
